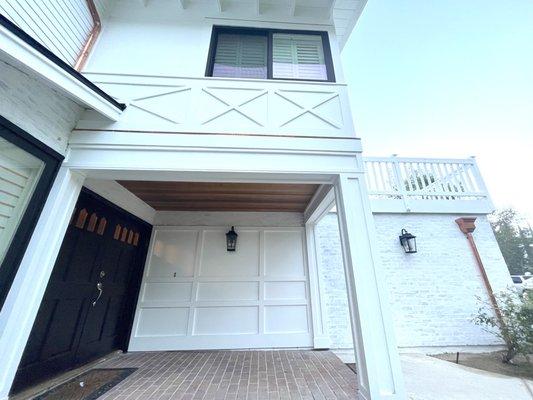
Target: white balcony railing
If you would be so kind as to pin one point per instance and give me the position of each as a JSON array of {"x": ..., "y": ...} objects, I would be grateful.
[
  {"x": 224, "y": 105},
  {"x": 426, "y": 185}
]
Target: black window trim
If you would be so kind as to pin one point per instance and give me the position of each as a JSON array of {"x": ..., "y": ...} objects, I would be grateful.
[
  {"x": 268, "y": 32},
  {"x": 19, "y": 242}
]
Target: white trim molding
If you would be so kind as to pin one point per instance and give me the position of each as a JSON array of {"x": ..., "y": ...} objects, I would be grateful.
[
  {"x": 379, "y": 374},
  {"x": 24, "y": 299},
  {"x": 122, "y": 197}
]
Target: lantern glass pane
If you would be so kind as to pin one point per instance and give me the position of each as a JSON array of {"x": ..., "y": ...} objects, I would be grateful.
[{"x": 411, "y": 245}]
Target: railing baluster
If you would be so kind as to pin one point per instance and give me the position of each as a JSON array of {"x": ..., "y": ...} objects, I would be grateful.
[{"x": 412, "y": 180}]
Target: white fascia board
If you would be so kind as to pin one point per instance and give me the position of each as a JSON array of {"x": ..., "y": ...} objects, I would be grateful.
[
  {"x": 22, "y": 54},
  {"x": 352, "y": 19}
]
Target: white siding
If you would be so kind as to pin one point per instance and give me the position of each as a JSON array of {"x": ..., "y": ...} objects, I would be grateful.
[
  {"x": 61, "y": 26},
  {"x": 432, "y": 293}
]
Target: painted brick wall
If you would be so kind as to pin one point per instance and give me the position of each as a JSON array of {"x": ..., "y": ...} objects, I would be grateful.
[
  {"x": 432, "y": 293},
  {"x": 36, "y": 108}
]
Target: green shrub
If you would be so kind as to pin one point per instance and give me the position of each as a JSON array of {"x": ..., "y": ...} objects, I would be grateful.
[{"x": 515, "y": 327}]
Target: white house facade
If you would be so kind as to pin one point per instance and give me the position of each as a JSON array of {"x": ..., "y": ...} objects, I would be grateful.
[{"x": 139, "y": 135}]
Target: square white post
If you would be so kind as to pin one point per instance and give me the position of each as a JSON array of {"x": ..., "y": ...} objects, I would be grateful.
[
  {"x": 26, "y": 293},
  {"x": 379, "y": 374},
  {"x": 318, "y": 310}
]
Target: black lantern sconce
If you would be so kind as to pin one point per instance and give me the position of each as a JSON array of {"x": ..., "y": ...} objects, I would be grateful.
[
  {"x": 231, "y": 239},
  {"x": 408, "y": 242}
]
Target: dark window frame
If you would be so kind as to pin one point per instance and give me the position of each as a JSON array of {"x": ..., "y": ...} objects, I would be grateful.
[
  {"x": 19, "y": 242},
  {"x": 268, "y": 33}
]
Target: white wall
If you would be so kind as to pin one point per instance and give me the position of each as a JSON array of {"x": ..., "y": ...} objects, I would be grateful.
[
  {"x": 36, "y": 108},
  {"x": 432, "y": 293},
  {"x": 161, "y": 40},
  {"x": 225, "y": 218},
  {"x": 197, "y": 295}
]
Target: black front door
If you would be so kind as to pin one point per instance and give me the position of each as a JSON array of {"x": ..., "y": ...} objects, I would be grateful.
[{"x": 89, "y": 302}]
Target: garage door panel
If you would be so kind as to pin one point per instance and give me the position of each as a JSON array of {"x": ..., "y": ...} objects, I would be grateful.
[
  {"x": 171, "y": 254},
  {"x": 255, "y": 297},
  {"x": 231, "y": 320},
  {"x": 164, "y": 321},
  {"x": 285, "y": 290},
  {"x": 166, "y": 292},
  {"x": 286, "y": 319},
  {"x": 227, "y": 291},
  {"x": 284, "y": 253},
  {"x": 217, "y": 261}
]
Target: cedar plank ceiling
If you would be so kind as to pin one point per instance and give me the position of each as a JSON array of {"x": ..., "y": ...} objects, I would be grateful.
[{"x": 209, "y": 196}]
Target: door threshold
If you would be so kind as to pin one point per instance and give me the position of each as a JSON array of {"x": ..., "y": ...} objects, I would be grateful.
[{"x": 48, "y": 384}]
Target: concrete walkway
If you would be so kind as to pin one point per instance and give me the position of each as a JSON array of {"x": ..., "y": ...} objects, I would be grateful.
[{"x": 428, "y": 378}]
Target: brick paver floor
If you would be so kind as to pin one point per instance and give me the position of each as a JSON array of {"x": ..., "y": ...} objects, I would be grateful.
[{"x": 235, "y": 375}]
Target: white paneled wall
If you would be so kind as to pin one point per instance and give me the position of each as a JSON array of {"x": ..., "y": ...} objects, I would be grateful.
[{"x": 197, "y": 295}]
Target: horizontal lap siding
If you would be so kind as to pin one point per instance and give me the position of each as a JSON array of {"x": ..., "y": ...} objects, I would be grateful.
[
  {"x": 17, "y": 181},
  {"x": 62, "y": 26}
]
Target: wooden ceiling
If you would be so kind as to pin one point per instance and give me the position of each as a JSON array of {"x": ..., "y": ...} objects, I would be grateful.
[{"x": 201, "y": 196}]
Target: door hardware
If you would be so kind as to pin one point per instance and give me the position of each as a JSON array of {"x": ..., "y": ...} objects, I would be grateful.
[{"x": 99, "y": 286}]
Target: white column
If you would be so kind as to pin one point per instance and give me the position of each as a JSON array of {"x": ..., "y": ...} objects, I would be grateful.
[
  {"x": 26, "y": 293},
  {"x": 379, "y": 374},
  {"x": 318, "y": 310}
]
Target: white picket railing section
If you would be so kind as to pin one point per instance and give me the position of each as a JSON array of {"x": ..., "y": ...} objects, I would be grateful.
[{"x": 426, "y": 185}]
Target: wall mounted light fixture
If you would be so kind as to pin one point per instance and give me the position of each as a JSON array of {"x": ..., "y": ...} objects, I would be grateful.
[
  {"x": 231, "y": 239},
  {"x": 408, "y": 242}
]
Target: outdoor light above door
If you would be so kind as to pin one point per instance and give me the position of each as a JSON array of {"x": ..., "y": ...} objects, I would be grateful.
[
  {"x": 231, "y": 239},
  {"x": 408, "y": 242}
]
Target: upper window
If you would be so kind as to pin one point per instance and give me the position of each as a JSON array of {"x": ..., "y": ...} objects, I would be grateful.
[{"x": 270, "y": 54}]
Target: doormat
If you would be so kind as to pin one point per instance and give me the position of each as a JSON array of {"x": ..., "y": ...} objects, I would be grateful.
[
  {"x": 89, "y": 385},
  {"x": 352, "y": 367}
]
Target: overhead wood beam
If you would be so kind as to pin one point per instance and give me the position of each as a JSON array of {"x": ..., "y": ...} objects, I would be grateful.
[{"x": 220, "y": 6}]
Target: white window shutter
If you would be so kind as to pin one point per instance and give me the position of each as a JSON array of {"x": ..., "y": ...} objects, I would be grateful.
[
  {"x": 298, "y": 56},
  {"x": 241, "y": 56}
]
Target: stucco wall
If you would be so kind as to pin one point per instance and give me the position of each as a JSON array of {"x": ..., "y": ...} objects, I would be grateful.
[
  {"x": 36, "y": 108},
  {"x": 154, "y": 40},
  {"x": 432, "y": 293}
]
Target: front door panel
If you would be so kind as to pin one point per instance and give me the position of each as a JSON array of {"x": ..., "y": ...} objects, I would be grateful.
[{"x": 104, "y": 247}]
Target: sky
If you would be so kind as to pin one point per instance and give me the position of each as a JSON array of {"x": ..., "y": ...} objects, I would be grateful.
[{"x": 452, "y": 79}]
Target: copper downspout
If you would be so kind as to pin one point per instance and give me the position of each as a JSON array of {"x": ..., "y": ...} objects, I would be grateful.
[
  {"x": 93, "y": 35},
  {"x": 467, "y": 225}
]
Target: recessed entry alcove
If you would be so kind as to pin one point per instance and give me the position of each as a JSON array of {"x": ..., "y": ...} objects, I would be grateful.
[{"x": 197, "y": 295}]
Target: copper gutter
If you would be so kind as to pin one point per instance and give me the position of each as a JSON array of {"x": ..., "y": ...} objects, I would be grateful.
[
  {"x": 91, "y": 40},
  {"x": 467, "y": 225}
]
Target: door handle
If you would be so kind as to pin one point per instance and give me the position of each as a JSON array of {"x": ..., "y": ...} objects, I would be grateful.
[{"x": 100, "y": 288}]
